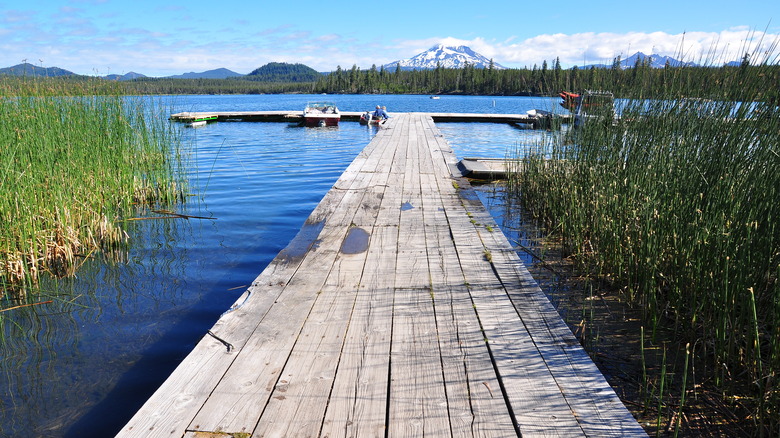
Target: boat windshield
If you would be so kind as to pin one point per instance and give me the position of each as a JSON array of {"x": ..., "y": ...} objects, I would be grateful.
[{"x": 323, "y": 107}]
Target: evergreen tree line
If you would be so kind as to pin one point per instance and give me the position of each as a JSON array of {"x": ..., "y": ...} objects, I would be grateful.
[
  {"x": 237, "y": 85},
  {"x": 541, "y": 81},
  {"x": 703, "y": 82}
]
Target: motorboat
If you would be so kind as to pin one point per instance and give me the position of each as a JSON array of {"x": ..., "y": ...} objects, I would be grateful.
[
  {"x": 539, "y": 113},
  {"x": 321, "y": 114},
  {"x": 570, "y": 100},
  {"x": 588, "y": 99},
  {"x": 595, "y": 105},
  {"x": 367, "y": 118}
]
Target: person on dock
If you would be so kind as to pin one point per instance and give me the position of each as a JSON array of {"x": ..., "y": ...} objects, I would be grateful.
[{"x": 380, "y": 113}]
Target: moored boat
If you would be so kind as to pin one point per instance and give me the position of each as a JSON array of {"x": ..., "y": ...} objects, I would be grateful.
[
  {"x": 201, "y": 121},
  {"x": 367, "y": 118},
  {"x": 592, "y": 105},
  {"x": 321, "y": 114},
  {"x": 570, "y": 100},
  {"x": 588, "y": 99},
  {"x": 539, "y": 113}
]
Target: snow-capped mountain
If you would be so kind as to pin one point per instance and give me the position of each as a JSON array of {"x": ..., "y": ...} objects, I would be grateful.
[
  {"x": 446, "y": 57},
  {"x": 654, "y": 61}
]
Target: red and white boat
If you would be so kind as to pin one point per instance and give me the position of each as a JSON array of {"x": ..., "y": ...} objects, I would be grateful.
[
  {"x": 321, "y": 114},
  {"x": 570, "y": 100}
]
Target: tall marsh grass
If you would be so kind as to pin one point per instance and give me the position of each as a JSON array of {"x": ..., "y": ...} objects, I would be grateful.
[
  {"x": 76, "y": 156},
  {"x": 677, "y": 204}
]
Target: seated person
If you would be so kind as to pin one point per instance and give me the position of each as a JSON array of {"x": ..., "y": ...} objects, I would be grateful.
[{"x": 380, "y": 113}]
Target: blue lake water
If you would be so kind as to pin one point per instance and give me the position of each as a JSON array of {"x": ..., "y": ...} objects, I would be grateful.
[{"x": 82, "y": 365}]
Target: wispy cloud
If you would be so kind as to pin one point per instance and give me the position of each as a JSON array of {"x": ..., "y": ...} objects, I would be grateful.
[{"x": 14, "y": 16}]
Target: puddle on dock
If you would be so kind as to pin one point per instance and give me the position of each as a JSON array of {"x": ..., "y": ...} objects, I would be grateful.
[
  {"x": 305, "y": 240},
  {"x": 355, "y": 242}
]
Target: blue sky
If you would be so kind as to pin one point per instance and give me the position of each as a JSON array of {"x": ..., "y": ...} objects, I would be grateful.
[{"x": 98, "y": 37}]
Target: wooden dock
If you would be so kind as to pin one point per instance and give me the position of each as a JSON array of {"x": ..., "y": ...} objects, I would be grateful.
[
  {"x": 400, "y": 309},
  {"x": 297, "y": 116}
]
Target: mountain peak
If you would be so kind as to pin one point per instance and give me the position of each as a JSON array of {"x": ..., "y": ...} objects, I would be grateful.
[
  {"x": 27, "y": 69},
  {"x": 219, "y": 73},
  {"x": 445, "y": 57},
  {"x": 129, "y": 76},
  {"x": 655, "y": 61}
]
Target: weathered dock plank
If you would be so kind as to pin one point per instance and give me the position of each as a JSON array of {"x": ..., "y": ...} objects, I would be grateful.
[
  {"x": 418, "y": 401},
  {"x": 477, "y": 407},
  {"x": 358, "y": 400},
  {"x": 400, "y": 309}
]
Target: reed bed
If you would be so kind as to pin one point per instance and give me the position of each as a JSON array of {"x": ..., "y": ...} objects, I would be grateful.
[
  {"x": 677, "y": 205},
  {"x": 76, "y": 157}
]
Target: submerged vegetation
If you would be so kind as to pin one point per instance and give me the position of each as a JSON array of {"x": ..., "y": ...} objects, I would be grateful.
[
  {"x": 77, "y": 155},
  {"x": 675, "y": 204}
]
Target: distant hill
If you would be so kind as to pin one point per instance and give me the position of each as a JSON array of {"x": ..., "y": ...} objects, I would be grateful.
[
  {"x": 283, "y": 72},
  {"x": 27, "y": 69},
  {"x": 125, "y": 77},
  {"x": 446, "y": 57},
  {"x": 219, "y": 73}
]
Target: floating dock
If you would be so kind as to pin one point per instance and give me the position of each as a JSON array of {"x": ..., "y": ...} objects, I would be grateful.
[
  {"x": 297, "y": 117},
  {"x": 488, "y": 168},
  {"x": 400, "y": 309}
]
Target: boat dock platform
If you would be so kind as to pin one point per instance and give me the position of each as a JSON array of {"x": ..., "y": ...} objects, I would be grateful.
[
  {"x": 400, "y": 309},
  {"x": 297, "y": 117},
  {"x": 488, "y": 168}
]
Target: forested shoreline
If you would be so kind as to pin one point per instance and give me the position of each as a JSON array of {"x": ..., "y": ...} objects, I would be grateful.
[{"x": 704, "y": 82}]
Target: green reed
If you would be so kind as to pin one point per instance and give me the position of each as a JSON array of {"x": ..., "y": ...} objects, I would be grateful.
[
  {"x": 76, "y": 157},
  {"x": 677, "y": 204},
  {"x": 684, "y": 390},
  {"x": 662, "y": 382}
]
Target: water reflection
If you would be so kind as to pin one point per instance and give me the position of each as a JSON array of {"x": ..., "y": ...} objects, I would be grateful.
[
  {"x": 81, "y": 330},
  {"x": 84, "y": 363}
]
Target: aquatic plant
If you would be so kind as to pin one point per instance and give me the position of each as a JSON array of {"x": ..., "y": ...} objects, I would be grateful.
[
  {"x": 675, "y": 203},
  {"x": 77, "y": 156}
]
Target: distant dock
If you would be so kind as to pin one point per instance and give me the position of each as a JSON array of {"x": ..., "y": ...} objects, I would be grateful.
[
  {"x": 297, "y": 117},
  {"x": 400, "y": 309}
]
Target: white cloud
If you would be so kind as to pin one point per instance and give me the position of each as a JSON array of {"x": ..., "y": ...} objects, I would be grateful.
[
  {"x": 161, "y": 54},
  {"x": 711, "y": 48}
]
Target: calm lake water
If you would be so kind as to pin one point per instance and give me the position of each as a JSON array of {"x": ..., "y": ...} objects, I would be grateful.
[{"x": 82, "y": 365}]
